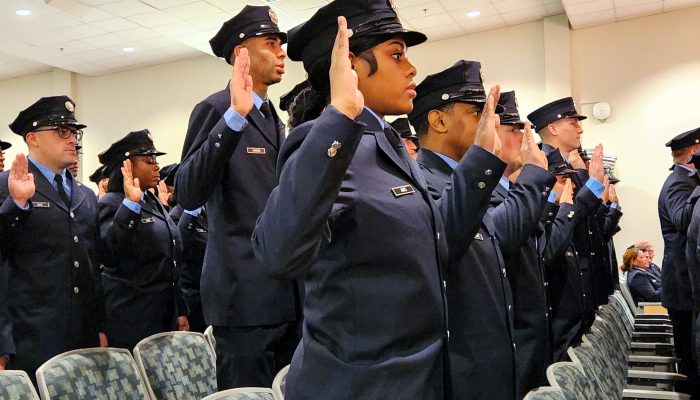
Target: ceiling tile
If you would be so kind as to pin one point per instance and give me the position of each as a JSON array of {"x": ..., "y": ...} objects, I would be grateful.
[
  {"x": 639, "y": 10},
  {"x": 139, "y": 33},
  {"x": 193, "y": 10},
  {"x": 671, "y": 5},
  {"x": 630, "y": 3},
  {"x": 46, "y": 39},
  {"x": 442, "y": 32},
  {"x": 431, "y": 21},
  {"x": 451, "y": 5},
  {"x": 482, "y": 24},
  {"x": 95, "y": 14},
  {"x": 554, "y": 8},
  {"x": 177, "y": 29},
  {"x": 592, "y": 19},
  {"x": 228, "y": 5},
  {"x": 486, "y": 10},
  {"x": 94, "y": 55},
  {"x": 153, "y": 19},
  {"x": 507, "y": 6},
  {"x": 588, "y": 7},
  {"x": 425, "y": 9},
  {"x": 91, "y": 69},
  {"x": 521, "y": 16},
  {"x": 126, "y": 8},
  {"x": 211, "y": 21},
  {"x": 297, "y": 5},
  {"x": 114, "y": 24},
  {"x": 162, "y": 4},
  {"x": 106, "y": 40},
  {"x": 82, "y": 31}
]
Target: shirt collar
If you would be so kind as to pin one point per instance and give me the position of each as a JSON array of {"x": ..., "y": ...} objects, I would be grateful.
[
  {"x": 504, "y": 182},
  {"x": 257, "y": 100},
  {"x": 381, "y": 121},
  {"x": 47, "y": 172},
  {"x": 452, "y": 163},
  {"x": 691, "y": 170}
]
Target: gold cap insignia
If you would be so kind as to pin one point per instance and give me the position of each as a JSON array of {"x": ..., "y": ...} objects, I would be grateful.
[
  {"x": 273, "y": 16},
  {"x": 69, "y": 106}
]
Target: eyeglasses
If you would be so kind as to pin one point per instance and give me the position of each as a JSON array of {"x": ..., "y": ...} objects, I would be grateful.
[{"x": 63, "y": 132}]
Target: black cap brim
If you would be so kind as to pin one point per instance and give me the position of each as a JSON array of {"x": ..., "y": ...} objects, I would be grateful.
[
  {"x": 150, "y": 152},
  {"x": 5, "y": 145}
]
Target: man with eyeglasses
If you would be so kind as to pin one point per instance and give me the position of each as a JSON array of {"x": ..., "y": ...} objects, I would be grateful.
[{"x": 48, "y": 237}]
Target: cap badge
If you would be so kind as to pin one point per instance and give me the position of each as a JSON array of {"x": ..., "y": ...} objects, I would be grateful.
[
  {"x": 273, "y": 16},
  {"x": 69, "y": 106}
]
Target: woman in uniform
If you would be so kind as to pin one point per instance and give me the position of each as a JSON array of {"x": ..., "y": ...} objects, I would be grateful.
[
  {"x": 353, "y": 217},
  {"x": 643, "y": 285},
  {"x": 142, "y": 248}
]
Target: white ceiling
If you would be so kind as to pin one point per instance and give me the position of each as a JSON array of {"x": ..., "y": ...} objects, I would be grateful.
[
  {"x": 88, "y": 36},
  {"x": 586, "y": 13}
]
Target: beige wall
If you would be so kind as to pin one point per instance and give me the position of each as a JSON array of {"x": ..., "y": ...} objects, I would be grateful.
[{"x": 647, "y": 69}]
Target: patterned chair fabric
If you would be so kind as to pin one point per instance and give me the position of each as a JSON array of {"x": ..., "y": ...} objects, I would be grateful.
[
  {"x": 96, "y": 373},
  {"x": 243, "y": 394},
  {"x": 177, "y": 365},
  {"x": 280, "y": 382},
  {"x": 545, "y": 393},
  {"x": 598, "y": 371},
  {"x": 571, "y": 380},
  {"x": 16, "y": 385}
]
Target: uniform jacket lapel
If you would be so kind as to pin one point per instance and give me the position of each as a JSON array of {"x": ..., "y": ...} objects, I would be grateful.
[
  {"x": 45, "y": 188},
  {"x": 77, "y": 194},
  {"x": 146, "y": 208},
  {"x": 263, "y": 126},
  {"x": 374, "y": 128}
]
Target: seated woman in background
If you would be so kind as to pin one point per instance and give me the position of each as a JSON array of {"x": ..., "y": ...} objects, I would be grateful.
[{"x": 644, "y": 285}]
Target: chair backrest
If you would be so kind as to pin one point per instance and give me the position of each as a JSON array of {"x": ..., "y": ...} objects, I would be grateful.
[
  {"x": 545, "y": 393},
  {"x": 209, "y": 334},
  {"x": 177, "y": 365},
  {"x": 570, "y": 379},
  {"x": 247, "y": 393},
  {"x": 94, "y": 373},
  {"x": 597, "y": 370},
  {"x": 628, "y": 298},
  {"x": 16, "y": 385},
  {"x": 279, "y": 383}
]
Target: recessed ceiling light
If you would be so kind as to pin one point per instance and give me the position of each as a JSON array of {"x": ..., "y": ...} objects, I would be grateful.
[
  {"x": 23, "y": 12},
  {"x": 474, "y": 13},
  {"x": 128, "y": 49}
]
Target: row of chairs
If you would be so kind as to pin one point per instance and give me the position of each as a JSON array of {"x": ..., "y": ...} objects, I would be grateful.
[
  {"x": 165, "y": 366},
  {"x": 625, "y": 355}
]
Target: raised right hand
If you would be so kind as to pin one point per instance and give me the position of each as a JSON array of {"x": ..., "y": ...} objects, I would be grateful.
[
  {"x": 20, "y": 182},
  {"x": 132, "y": 190},
  {"x": 241, "y": 84},
  {"x": 529, "y": 152},
  {"x": 487, "y": 131},
  {"x": 345, "y": 96},
  {"x": 595, "y": 168}
]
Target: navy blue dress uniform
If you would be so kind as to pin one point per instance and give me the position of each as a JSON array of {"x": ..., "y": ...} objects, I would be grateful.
[
  {"x": 256, "y": 318},
  {"x": 516, "y": 214},
  {"x": 353, "y": 216},
  {"x": 54, "y": 300},
  {"x": 675, "y": 213},
  {"x": 643, "y": 285},
  {"x": 194, "y": 231},
  {"x": 142, "y": 254},
  {"x": 586, "y": 229},
  {"x": 516, "y": 211},
  {"x": 482, "y": 342},
  {"x": 567, "y": 293}
]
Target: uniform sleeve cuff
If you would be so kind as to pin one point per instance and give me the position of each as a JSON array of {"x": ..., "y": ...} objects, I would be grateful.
[
  {"x": 133, "y": 206},
  {"x": 595, "y": 186},
  {"x": 234, "y": 120},
  {"x": 194, "y": 213}
]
